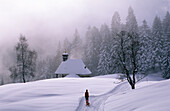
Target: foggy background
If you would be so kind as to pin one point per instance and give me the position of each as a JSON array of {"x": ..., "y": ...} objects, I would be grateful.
[{"x": 45, "y": 22}]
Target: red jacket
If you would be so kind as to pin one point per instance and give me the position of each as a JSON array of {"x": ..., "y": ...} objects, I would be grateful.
[{"x": 86, "y": 94}]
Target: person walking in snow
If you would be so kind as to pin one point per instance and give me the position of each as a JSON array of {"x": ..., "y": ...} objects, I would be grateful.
[{"x": 87, "y": 97}]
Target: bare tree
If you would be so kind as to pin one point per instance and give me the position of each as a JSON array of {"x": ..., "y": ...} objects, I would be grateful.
[
  {"x": 127, "y": 53},
  {"x": 24, "y": 68}
]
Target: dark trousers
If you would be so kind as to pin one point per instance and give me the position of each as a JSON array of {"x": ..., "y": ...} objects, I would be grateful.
[{"x": 87, "y": 100}]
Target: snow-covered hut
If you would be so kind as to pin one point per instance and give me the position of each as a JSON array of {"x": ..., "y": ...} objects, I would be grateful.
[{"x": 72, "y": 67}]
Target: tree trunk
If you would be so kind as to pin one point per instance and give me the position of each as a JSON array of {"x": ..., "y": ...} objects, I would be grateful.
[
  {"x": 24, "y": 79},
  {"x": 23, "y": 67},
  {"x": 133, "y": 86}
]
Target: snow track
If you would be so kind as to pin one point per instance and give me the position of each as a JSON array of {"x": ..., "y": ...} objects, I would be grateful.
[{"x": 97, "y": 102}]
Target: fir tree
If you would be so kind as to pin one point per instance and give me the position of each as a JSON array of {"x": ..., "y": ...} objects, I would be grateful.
[
  {"x": 115, "y": 67},
  {"x": 76, "y": 47},
  {"x": 166, "y": 47},
  {"x": 67, "y": 46},
  {"x": 131, "y": 22},
  {"x": 42, "y": 70},
  {"x": 104, "y": 57},
  {"x": 115, "y": 24},
  {"x": 92, "y": 49},
  {"x": 157, "y": 43},
  {"x": 145, "y": 48}
]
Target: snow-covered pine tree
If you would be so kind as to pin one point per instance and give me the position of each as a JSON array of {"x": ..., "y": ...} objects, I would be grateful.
[
  {"x": 58, "y": 58},
  {"x": 166, "y": 46},
  {"x": 104, "y": 57},
  {"x": 41, "y": 70},
  {"x": 86, "y": 45},
  {"x": 87, "y": 49},
  {"x": 115, "y": 24},
  {"x": 131, "y": 22},
  {"x": 157, "y": 43},
  {"x": 59, "y": 54},
  {"x": 96, "y": 40},
  {"x": 67, "y": 46},
  {"x": 115, "y": 67},
  {"x": 145, "y": 48},
  {"x": 92, "y": 49},
  {"x": 76, "y": 47},
  {"x": 46, "y": 67},
  {"x": 51, "y": 65}
]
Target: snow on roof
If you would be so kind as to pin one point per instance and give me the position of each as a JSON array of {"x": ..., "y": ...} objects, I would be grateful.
[
  {"x": 65, "y": 53},
  {"x": 73, "y": 66}
]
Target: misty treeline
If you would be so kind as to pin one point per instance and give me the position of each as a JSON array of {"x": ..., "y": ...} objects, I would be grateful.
[
  {"x": 123, "y": 47},
  {"x": 128, "y": 48},
  {"x": 118, "y": 48}
]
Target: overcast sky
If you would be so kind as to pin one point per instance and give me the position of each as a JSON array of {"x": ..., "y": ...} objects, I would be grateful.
[
  {"x": 43, "y": 22},
  {"x": 59, "y": 18}
]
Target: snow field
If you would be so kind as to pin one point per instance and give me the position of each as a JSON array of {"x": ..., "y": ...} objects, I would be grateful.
[
  {"x": 149, "y": 96},
  {"x": 52, "y": 94},
  {"x": 67, "y": 94}
]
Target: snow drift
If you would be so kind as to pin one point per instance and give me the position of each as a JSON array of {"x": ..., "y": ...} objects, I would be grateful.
[{"x": 67, "y": 94}]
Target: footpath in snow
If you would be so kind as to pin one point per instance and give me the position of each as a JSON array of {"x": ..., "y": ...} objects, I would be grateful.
[
  {"x": 151, "y": 94},
  {"x": 97, "y": 102}
]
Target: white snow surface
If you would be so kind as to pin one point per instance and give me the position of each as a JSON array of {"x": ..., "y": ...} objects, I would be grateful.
[
  {"x": 73, "y": 66},
  {"x": 67, "y": 94}
]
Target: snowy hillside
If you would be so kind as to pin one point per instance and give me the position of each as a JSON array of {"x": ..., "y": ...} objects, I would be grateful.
[{"x": 67, "y": 94}]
